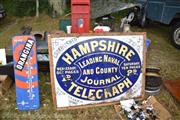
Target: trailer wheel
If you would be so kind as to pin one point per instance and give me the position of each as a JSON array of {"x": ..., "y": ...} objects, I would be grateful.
[
  {"x": 176, "y": 35},
  {"x": 133, "y": 17}
]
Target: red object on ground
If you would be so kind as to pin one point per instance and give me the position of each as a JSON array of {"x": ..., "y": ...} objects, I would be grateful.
[
  {"x": 99, "y": 31},
  {"x": 80, "y": 15},
  {"x": 173, "y": 87}
]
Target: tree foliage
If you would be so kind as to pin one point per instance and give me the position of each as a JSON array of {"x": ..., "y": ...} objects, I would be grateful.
[{"x": 25, "y": 7}]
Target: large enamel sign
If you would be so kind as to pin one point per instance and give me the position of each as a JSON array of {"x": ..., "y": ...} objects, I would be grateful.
[{"x": 96, "y": 69}]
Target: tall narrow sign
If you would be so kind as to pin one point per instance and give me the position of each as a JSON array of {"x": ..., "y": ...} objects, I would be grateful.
[
  {"x": 26, "y": 72},
  {"x": 88, "y": 70}
]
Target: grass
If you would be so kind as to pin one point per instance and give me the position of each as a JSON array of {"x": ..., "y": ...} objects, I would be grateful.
[
  {"x": 12, "y": 26},
  {"x": 160, "y": 54}
]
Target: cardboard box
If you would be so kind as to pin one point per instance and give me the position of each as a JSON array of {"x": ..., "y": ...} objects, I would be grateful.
[
  {"x": 163, "y": 114},
  {"x": 5, "y": 83},
  {"x": 160, "y": 110}
]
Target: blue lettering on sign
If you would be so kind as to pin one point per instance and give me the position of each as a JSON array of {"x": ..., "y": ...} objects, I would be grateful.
[{"x": 98, "y": 69}]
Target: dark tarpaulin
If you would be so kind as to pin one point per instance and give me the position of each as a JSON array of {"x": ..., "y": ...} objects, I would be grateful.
[{"x": 101, "y": 8}]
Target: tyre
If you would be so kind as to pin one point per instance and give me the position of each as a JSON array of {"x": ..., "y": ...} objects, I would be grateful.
[
  {"x": 143, "y": 22},
  {"x": 176, "y": 35},
  {"x": 152, "y": 69},
  {"x": 133, "y": 17},
  {"x": 153, "y": 83}
]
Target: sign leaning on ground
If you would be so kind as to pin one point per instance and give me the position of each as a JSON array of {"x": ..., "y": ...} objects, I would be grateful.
[
  {"x": 96, "y": 69},
  {"x": 26, "y": 72}
]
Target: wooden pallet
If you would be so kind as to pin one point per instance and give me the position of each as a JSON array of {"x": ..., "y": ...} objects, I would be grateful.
[{"x": 173, "y": 87}]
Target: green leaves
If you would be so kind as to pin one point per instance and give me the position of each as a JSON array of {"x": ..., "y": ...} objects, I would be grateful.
[{"x": 25, "y": 7}]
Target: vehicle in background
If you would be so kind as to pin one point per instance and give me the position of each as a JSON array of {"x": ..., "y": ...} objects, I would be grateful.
[
  {"x": 2, "y": 11},
  {"x": 164, "y": 11}
]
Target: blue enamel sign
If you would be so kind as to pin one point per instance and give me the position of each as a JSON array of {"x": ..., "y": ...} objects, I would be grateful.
[
  {"x": 97, "y": 69},
  {"x": 26, "y": 72}
]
